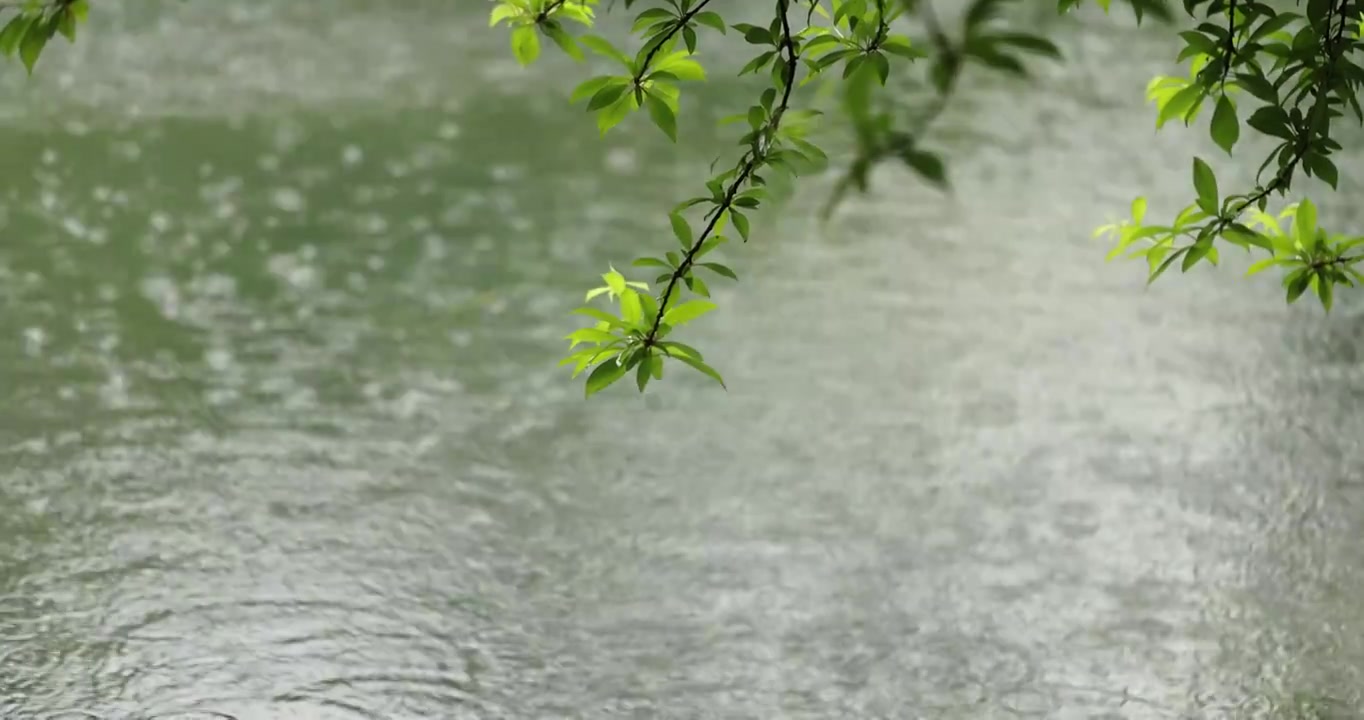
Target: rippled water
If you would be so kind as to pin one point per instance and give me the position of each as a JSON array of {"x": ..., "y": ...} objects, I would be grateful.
[{"x": 282, "y": 287}]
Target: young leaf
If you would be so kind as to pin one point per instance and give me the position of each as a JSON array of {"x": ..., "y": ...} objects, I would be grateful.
[
  {"x": 700, "y": 366},
  {"x": 13, "y": 34},
  {"x": 663, "y": 116},
  {"x": 525, "y": 44},
  {"x": 720, "y": 270},
  {"x": 605, "y": 374},
  {"x": 1305, "y": 223},
  {"x": 711, "y": 19},
  {"x": 681, "y": 229},
  {"x": 1324, "y": 290},
  {"x": 687, "y": 311},
  {"x": 1205, "y": 183},
  {"x": 33, "y": 43},
  {"x": 740, "y": 222}
]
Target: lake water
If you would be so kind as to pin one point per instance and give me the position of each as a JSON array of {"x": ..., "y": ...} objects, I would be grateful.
[{"x": 282, "y": 286}]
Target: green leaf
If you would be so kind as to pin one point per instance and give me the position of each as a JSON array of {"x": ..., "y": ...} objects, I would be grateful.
[
  {"x": 589, "y": 88},
  {"x": 13, "y": 34},
  {"x": 1305, "y": 223},
  {"x": 1226, "y": 129},
  {"x": 1325, "y": 288},
  {"x": 1166, "y": 265},
  {"x": 740, "y": 222},
  {"x": 700, "y": 366},
  {"x": 606, "y": 49},
  {"x": 1267, "y": 263},
  {"x": 687, "y": 311},
  {"x": 697, "y": 285},
  {"x": 720, "y": 269},
  {"x": 651, "y": 16},
  {"x": 631, "y": 310},
  {"x": 712, "y": 20},
  {"x": 605, "y": 374},
  {"x": 882, "y": 65},
  {"x": 592, "y": 335},
  {"x": 605, "y": 97},
  {"x": 677, "y": 348},
  {"x": 66, "y": 24},
  {"x": 501, "y": 13},
  {"x": 927, "y": 164},
  {"x": 34, "y": 41},
  {"x": 563, "y": 40},
  {"x": 601, "y": 315},
  {"x": 615, "y": 112},
  {"x": 1322, "y": 167},
  {"x": 901, "y": 46},
  {"x": 1181, "y": 104},
  {"x": 525, "y": 43},
  {"x": 663, "y": 116},
  {"x": 1296, "y": 286},
  {"x": 1138, "y": 210},
  {"x": 644, "y": 370},
  {"x": 1031, "y": 43},
  {"x": 681, "y": 230},
  {"x": 679, "y": 65},
  {"x": 1273, "y": 121},
  {"x": 1205, "y": 183},
  {"x": 1197, "y": 252}
]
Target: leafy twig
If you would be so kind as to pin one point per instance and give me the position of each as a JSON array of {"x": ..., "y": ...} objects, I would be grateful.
[{"x": 752, "y": 159}]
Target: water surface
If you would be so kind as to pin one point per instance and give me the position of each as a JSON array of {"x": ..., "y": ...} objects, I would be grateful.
[{"x": 283, "y": 286}]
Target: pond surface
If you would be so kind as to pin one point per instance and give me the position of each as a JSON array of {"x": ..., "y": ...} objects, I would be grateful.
[{"x": 281, "y": 292}]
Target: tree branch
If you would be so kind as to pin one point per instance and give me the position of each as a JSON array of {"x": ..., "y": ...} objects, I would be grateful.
[
  {"x": 658, "y": 44},
  {"x": 752, "y": 159}
]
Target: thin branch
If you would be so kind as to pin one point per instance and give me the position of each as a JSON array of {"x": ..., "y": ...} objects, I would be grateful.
[
  {"x": 658, "y": 44},
  {"x": 752, "y": 159},
  {"x": 549, "y": 10},
  {"x": 1322, "y": 91},
  {"x": 1231, "y": 43}
]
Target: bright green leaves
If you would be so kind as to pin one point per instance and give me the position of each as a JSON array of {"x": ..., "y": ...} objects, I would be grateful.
[
  {"x": 27, "y": 33},
  {"x": 1298, "y": 65},
  {"x": 1205, "y": 184},
  {"x": 1313, "y": 260},
  {"x": 525, "y": 43},
  {"x": 649, "y": 82},
  {"x": 529, "y": 19},
  {"x": 632, "y": 339}
]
